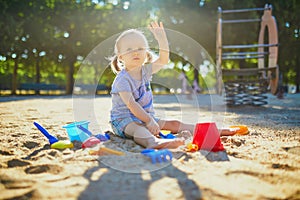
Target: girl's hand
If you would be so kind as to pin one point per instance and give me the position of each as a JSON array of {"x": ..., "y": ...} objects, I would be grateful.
[
  {"x": 153, "y": 126},
  {"x": 158, "y": 31}
]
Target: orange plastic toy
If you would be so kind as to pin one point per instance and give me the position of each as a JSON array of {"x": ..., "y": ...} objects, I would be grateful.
[{"x": 241, "y": 129}]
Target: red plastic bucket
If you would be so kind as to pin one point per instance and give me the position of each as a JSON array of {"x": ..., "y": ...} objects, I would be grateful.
[{"x": 207, "y": 137}]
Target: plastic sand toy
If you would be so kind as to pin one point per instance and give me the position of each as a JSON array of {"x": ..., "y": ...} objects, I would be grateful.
[
  {"x": 84, "y": 130},
  {"x": 207, "y": 137},
  {"x": 167, "y": 136},
  {"x": 75, "y": 133},
  {"x": 102, "y": 151},
  {"x": 50, "y": 137},
  {"x": 90, "y": 142},
  {"x": 159, "y": 156},
  {"x": 192, "y": 147},
  {"x": 240, "y": 129},
  {"x": 101, "y": 137},
  {"x": 54, "y": 142},
  {"x": 63, "y": 144}
]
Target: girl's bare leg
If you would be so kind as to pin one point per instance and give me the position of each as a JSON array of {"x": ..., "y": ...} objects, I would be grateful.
[
  {"x": 142, "y": 136},
  {"x": 176, "y": 126}
]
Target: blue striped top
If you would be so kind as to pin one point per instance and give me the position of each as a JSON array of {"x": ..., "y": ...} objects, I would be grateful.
[{"x": 140, "y": 89}]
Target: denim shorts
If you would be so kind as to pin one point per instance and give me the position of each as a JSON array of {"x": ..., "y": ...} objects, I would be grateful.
[{"x": 118, "y": 125}]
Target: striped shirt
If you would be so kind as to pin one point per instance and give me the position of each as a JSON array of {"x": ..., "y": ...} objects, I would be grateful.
[{"x": 140, "y": 89}]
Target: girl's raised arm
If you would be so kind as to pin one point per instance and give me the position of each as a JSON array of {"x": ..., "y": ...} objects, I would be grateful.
[{"x": 159, "y": 33}]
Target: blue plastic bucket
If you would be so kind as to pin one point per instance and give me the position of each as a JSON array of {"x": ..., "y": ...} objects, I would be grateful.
[{"x": 75, "y": 133}]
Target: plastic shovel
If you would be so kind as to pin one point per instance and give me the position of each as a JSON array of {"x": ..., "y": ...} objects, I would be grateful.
[{"x": 50, "y": 137}]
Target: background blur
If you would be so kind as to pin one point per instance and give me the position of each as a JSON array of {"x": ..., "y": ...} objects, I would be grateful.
[{"x": 45, "y": 41}]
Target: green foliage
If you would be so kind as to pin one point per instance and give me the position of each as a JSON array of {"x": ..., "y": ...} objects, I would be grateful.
[{"x": 49, "y": 39}]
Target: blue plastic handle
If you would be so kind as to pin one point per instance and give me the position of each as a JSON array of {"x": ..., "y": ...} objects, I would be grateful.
[
  {"x": 50, "y": 137},
  {"x": 102, "y": 137},
  {"x": 85, "y": 130}
]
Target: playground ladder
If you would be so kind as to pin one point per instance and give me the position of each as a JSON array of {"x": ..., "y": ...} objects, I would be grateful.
[{"x": 244, "y": 90}]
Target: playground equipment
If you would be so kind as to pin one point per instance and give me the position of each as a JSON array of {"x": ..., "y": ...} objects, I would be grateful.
[{"x": 248, "y": 85}]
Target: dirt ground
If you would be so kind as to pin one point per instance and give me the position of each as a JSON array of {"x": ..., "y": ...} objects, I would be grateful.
[{"x": 264, "y": 164}]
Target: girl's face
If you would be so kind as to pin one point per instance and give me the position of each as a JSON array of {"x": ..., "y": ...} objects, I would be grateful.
[{"x": 132, "y": 50}]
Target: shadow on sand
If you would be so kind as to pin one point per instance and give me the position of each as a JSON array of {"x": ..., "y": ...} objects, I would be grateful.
[{"x": 168, "y": 182}]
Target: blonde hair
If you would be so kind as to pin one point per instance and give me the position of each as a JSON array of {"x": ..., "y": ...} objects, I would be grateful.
[{"x": 115, "y": 64}]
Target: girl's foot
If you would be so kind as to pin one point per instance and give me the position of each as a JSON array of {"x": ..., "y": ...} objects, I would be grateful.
[
  {"x": 228, "y": 131},
  {"x": 235, "y": 130},
  {"x": 187, "y": 135}
]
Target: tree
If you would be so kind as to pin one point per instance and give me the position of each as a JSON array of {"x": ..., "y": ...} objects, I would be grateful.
[
  {"x": 36, "y": 33},
  {"x": 12, "y": 36}
]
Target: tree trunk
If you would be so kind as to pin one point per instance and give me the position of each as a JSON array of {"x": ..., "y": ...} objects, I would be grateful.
[
  {"x": 70, "y": 77},
  {"x": 297, "y": 79},
  {"x": 195, "y": 84},
  {"x": 37, "y": 76},
  {"x": 14, "y": 78}
]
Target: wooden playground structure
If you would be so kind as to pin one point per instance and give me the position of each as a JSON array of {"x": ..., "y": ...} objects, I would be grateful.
[{"x": 248, "y": 86}]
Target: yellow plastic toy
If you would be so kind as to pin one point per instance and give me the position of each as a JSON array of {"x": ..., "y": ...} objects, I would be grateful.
[
  {"x": 165, "y": 132},
  {"x": 190, "y": 147},
  {"x": 102, "y": 151},
  {"x": 62, "y": 144}
]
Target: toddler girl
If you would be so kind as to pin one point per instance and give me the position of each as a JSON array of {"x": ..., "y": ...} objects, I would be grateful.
[{"x": 132, "y": 114}]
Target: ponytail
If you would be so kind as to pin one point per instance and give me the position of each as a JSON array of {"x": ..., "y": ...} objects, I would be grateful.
[
  {"x": 114, "y": 64},
  {"x": 149, "y": 57}
]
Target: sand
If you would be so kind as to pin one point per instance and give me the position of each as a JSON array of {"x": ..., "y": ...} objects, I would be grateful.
[{"x": 262, "y": 165}]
